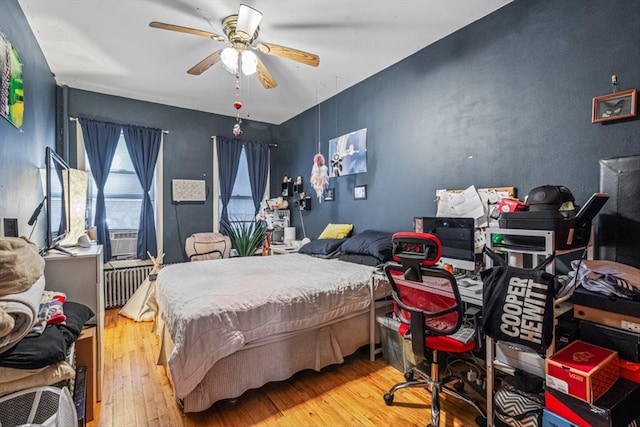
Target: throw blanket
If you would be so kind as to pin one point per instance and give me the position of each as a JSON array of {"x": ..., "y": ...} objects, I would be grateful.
[
  {"x": 20, "y": 265},
  {"x": 214, "y": 308},
  {"x": 22, "y": 308}
]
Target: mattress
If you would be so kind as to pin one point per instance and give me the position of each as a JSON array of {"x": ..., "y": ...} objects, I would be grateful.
[{"x": 212, "y": 309}]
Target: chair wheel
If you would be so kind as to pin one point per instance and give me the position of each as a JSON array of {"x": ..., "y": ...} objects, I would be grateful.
[
  {"x": 388, "y": 399},
  {"x": 408, "y": 375},
  {"x": 481, "y": 421},
  {"x": 459, "y": 386}
]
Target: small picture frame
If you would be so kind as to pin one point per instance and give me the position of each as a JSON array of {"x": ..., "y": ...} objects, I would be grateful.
[
  {"x": 614, "y": 106},
  {"x": 329, "y": 194},
  {"x": 360, "y": 192}
]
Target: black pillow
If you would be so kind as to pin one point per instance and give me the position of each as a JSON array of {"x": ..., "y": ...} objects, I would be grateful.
[
  {"x": 360, "y": 259},
  {"x": 370, "y": 242},
  {"x": 323, "y": 248},
  {"x": 50, "y": 347}
]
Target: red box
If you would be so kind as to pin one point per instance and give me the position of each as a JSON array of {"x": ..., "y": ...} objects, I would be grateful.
[
  {"x": 582, "y": 370},
  {"x": 616, "y": 408},
  {"x": 630, "y": 370},
  {"x": 508, "y": 204}
]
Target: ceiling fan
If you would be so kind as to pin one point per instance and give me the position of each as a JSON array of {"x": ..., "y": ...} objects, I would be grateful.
[{"x": 241, "y": 31}]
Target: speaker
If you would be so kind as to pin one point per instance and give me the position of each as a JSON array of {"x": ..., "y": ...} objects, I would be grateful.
[{"x": 10, "y": 227}]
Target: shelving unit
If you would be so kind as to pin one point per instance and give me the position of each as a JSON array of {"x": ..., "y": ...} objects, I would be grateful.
[{"x": 516, "y": 255}]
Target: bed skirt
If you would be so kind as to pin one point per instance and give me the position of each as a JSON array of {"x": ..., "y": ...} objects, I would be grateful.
[{"x": 278, "y": 360}]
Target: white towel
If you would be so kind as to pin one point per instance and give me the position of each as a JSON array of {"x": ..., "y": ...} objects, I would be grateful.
[{"x": 23, "y": 307}]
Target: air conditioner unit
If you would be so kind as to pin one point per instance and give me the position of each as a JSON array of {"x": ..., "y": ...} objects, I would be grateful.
[{"x": 124, "y": 244}]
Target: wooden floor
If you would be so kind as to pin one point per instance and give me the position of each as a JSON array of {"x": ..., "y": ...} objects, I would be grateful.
[{"x": 136, "y": 392}]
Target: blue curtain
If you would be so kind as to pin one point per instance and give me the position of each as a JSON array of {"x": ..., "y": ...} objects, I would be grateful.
[
  {"x": 143, "y": 145},
  {"x": 258, "y": 164},
  {"x": 100, "y": 141},
  {"x": 229, "y": 151}
]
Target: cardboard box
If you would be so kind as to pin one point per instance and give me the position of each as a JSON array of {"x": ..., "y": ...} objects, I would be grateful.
[
  {"x": 617, "y": 407},
  {"x": 582, "y": 370},
  {"x": 607, "y": 318},
  {"x": 551, "y": 419},
  {"x": 626, "y": 343},
  {"x": 611, "y": 311}
]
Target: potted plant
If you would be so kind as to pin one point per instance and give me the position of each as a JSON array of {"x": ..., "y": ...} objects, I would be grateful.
[{"x": 246, "y": 236}]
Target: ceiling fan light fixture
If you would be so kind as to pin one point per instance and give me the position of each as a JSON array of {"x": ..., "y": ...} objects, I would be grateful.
[
  {"x": 229, "y": 59},
  {"x": 249, "y": 63},
  {"x": 248, "y": 21}
]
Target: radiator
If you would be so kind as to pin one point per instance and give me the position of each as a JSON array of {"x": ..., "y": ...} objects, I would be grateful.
[{"x": 121, "y": 283}]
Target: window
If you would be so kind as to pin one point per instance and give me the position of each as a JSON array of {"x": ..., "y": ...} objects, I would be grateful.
[
  {"x": 241, "y": 206},
  {"x": 122, "y": 192}
]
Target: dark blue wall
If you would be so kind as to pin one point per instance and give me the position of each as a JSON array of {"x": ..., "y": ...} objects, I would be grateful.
[
  {"x": 22, "y": 151},
  {"x": 188, "y": 152},
  {"x": 505, "y": 101}
]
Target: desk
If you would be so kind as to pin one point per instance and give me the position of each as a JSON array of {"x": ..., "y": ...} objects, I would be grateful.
[
  {"x": 470, "y": 290},
  {"x": 80, "y": 277},
  {"x": 86, "y": 355}
]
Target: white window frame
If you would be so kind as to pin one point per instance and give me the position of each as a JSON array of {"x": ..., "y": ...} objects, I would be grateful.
[
  {"x": 216, "y": 185},
  {"x": 80, "y": 156}
]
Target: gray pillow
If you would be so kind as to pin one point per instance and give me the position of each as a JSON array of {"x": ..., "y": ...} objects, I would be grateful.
[
  {"x": 370, "y": 242},
  {"x": 323, "y": 248}
]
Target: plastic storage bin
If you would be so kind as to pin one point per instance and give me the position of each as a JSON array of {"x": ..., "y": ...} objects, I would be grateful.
[
  {"x": 392, "y": 342},
  {"x": 45, "y": 406}
]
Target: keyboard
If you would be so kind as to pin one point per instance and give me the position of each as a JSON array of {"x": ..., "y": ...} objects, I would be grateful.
[
  {"x": 465, "y": 334},
  {"x": 467, "y": 282}
]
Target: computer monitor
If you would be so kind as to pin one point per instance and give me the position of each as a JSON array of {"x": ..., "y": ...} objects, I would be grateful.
[{"x": 456, "y": 236}]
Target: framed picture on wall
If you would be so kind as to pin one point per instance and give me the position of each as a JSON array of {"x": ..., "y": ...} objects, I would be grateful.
[
  {"x": 11, "y": 83},
  {"x": 329, "y": 194},
  {"x": 614, "y": 106},
  {"x": 360, "y": 192}
]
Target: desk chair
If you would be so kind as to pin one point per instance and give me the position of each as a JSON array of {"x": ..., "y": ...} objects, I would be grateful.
[{"x": 428, "y": 304}]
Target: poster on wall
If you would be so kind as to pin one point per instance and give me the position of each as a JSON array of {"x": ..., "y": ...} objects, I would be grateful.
[
  {"x": 348, "y": 154},
  {"x": 11, "y": 85}
]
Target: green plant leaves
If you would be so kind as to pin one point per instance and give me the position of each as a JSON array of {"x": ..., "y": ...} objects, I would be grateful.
[{"x": 246, "y": 237}]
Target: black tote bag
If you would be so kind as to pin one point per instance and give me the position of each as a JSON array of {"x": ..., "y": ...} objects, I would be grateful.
[{"x": 517, "y": 303}]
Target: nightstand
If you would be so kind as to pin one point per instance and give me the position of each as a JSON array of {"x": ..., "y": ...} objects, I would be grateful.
[{"x": 283, "y": 250}]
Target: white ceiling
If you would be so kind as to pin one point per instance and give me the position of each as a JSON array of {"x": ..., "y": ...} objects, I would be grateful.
[{"x": 107, "y": 46}]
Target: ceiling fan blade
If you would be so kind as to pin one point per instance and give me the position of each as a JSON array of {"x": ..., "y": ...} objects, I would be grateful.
[
  {"x": 248, "y": 21},
  {"x": 265, "y": 77},
  {"x": 289, "y": 53},
  {"x": 181, "y": 29},
  {"x": 205, "y": 64}
]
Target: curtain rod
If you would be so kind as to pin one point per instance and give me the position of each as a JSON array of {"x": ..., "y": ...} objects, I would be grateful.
[
  {"x": 213, "y": 137},
  {"x": 75, "y": 119}
]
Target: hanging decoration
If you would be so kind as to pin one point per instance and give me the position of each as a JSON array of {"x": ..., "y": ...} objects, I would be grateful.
[
  {"x": 237, "y": 130},
  {"x": 319, "y": 175},
  {"x": 319, "y": 172}
]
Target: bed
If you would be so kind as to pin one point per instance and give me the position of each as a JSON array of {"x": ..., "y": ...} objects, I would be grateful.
[{"x": 231, "y": 325}]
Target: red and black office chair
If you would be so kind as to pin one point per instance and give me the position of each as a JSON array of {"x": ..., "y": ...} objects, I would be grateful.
[{"x": 428, "y": 303}]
